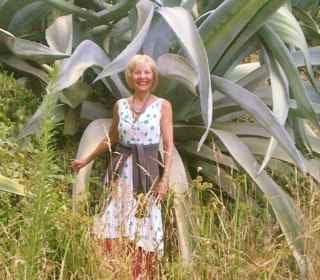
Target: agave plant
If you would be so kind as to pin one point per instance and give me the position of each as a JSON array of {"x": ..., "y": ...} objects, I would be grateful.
[{"x": 202, "y": 74}]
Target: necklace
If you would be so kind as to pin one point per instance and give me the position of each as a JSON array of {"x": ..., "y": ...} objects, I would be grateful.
[{"x": 142, "y": 108}]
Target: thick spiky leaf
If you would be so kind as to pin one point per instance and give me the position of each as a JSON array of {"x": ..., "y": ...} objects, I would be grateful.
[
  {"x": 191, "y": 42},
  {"x": 59, "y": 34},
  {"x": 159, "y": 39},
  {"x": 177, "y": 67},
  {"x": 11, "y": 186},
  {"x": 280, "y": 100},
  {"x": 314, "y": 54},
  {"x": 253, "y": 105},
  {"x": 258, "y": 146},
  {"x": 99, "y": 128},
  {"x": 94, "y": 110},
  {"x": 87, "y": 54},
  {"x": 207, "y": 153},
  {"x": 250, "y": 21},
  {"x": 29, "y": 50},
  {"x": 145, "y": 13},
  {"x": 288, "y": 215},
  {"x": 179, "y": 184},
  {"x": 29, "y": 15},
  {"x": 288, "y": 28},
  {"x": 21, "y": 65},
  {"x": 76, "y": 94},
  {"x": 228, "y": 23},
  {"x": 272, "y": 42}
]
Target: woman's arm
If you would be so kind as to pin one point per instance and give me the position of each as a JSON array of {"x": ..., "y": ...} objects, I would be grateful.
[
  {"x": 166, "y": 126},
  {"x": 104, "y": 145}
]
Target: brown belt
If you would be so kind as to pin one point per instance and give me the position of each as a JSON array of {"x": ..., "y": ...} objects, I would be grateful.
[{"x": 146, "y": 164}]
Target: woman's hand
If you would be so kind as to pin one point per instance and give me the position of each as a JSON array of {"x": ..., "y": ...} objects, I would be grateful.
[
  {"x": 77, "y": 164},
  {"x": 161, "y": 190}
]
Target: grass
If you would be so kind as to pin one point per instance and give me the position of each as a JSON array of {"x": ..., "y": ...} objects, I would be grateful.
[{"x": 41, "y": 238}]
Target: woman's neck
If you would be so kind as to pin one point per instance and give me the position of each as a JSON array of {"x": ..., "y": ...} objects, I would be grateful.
[{"x": 141, "y": 96}]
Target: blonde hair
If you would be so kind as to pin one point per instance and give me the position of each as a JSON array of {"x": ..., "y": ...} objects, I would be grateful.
[{"x": 142, "y": 58}]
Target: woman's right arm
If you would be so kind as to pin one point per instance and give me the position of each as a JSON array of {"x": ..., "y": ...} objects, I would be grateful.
[{"x": 104, "y": 145}]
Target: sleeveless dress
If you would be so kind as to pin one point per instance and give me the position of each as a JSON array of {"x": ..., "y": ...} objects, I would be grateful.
[{"x": 118, "y": 219}]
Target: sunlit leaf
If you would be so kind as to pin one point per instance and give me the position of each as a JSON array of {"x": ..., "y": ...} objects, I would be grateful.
[
  {"x": 191, "y": 42},
  {"x": 59, "y": 34},
  {"x": 288, "y": 215},
  {"x": 145, "y": 11},
  {"x": 20, "y": 64},
  {"x": 261, "y": 113},
  {"x": 177, "y": 67},
  {"x": 29, "y": 50}
]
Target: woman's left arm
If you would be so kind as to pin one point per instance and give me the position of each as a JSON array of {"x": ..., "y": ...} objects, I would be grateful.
[{"x": 166, "y": 126}]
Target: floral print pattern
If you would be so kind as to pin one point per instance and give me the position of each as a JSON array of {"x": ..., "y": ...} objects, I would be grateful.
[{"x": 118, "y": 219}]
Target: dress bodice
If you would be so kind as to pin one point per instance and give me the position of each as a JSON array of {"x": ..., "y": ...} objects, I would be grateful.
[{"x": 144, "y": 130}]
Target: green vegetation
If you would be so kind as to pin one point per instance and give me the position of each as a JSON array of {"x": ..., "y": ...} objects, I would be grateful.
[{"x": 250, "y": 213}]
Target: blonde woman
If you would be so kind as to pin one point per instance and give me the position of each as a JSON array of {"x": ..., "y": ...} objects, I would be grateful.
[{"x": 139, "y": 123}]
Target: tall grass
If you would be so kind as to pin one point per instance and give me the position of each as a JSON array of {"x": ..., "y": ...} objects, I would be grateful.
[{"x": 41, "y": 238}]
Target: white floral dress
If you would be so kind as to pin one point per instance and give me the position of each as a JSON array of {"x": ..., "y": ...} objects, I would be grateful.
[{"x": 118, "y": 219}]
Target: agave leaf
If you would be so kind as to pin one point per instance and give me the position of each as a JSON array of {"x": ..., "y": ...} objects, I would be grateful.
[
  {"x": 240, "y": 71},
  {"x": 254, "y": 79},
  {"x": 280, "y": 100},
  {"x": 159, "y": 39},
  {"x": 11, "y": 186},
  {"x": 71, "y": 121},
  {"x": 176, "y": 67},
  {"x": 179, "y": 184},
  {"x": 301, "y": 138},
  {"x": 224, "y": 24},
  {"x": 314, "y": 54},
  {"x": 261, "y": 113},
  {"x": 24, "y": 66},
  {"x": 76, "y": 94},
  {"x": 192, "y": 44},
  {"x": 28, "y": 49},
  {"x": 206, "y": 153},
  {"x": 273, "y": 43},
  {"x": 28, "y": 15},
  {"x": 247, "y": 22},
  {"x": 288, "y": 215},
  {"x": 242, "y": 128},
  {"x": 87, "y": 54},
  {"x": 59, "y": 34},
  {"x": 145, "y": 12},
  {"x": 218, "y": 176},
  {"x": 94, "y": 110},
  {"x": 259, "y": 148},
  {"x": 99, "y": 128},
  {"x": 34, "y": 124},
  {"x": 288, "y": 28}
]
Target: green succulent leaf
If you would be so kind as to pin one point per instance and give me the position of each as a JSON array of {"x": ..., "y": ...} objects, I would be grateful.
[
  {"x": 145, "y": 15},
  {"x": 257, "y": 14},
  {"x": 59, "y": 34},
  {"x": 273, "y": 43},
  {"x": 253, "y": 105},
  {"x": 288, "y": 215},
  {"x": 280, "y": 100},
  {"x": 287, "y": 27},
  {"x": 86, "y": 55},
  {"x": 28, "y": 15},
  {"x": 191, "y": 42},
  {"x": 22, "y": 65},
  {"x": 178, "y": 68},
  {"x": 29, "y": 50}
]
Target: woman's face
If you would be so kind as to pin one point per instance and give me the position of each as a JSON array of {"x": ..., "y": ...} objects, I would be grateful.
[{"x": 142, "y": 78}]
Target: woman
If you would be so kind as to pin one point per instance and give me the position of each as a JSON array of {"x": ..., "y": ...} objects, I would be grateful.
[{"x": 138, "y": 124}]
